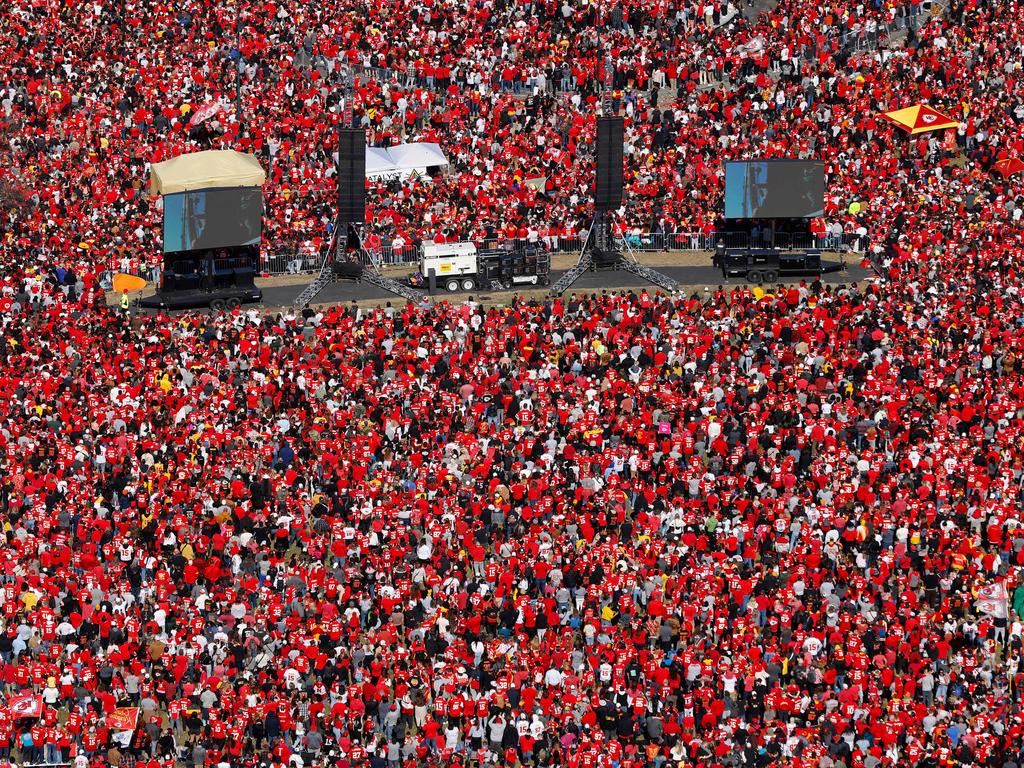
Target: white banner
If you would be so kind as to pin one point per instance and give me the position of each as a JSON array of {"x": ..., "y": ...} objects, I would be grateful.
[
  {"x": 994, "y": 608},
  {"x": 993, "y": 592},
  {"x": 124, "y": 738}
]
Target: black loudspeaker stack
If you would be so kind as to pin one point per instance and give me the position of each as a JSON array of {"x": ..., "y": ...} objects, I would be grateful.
[
  {"x": 351, "y": 175},
  {"x": 608, "y": 186}
]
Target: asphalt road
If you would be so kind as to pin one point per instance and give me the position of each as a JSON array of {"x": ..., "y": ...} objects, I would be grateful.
[{"x": 346, "y": 291}]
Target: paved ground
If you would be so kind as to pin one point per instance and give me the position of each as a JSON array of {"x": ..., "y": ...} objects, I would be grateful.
[
  {"x": 692, "y": 269},
  {"x": 690, "y": 277}
]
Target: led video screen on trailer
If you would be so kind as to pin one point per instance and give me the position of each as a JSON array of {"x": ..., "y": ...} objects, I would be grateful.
[
  {"x": 212, "y": 218},
  {"x": 774, "y": 189}
]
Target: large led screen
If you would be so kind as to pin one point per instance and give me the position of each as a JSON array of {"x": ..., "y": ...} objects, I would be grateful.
[
  {"x": 212, "y": 218},
  {"x": 774, "y": 189}
]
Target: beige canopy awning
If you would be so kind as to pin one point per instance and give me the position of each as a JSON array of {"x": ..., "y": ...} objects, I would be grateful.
[{"x": 204, "y": 170}]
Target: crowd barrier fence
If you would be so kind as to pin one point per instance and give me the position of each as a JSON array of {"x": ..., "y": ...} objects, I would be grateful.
[{"x": 645, "y": 242}]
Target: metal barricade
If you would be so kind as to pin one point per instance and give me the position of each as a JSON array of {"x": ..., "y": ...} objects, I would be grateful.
[
  {"x": 642, "y": 242},
  {"x": 289, "y": 263}
]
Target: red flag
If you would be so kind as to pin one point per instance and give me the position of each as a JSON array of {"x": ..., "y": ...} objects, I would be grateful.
[
  {"x": 26, "y": 705},
  {"x": 123, "y": 719}
]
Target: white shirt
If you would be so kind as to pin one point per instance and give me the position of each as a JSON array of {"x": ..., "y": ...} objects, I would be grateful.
[{"x": 553, "y": 677}]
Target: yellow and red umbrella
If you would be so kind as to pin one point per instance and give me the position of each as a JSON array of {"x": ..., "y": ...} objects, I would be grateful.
[
  {"x": 1008, "y": 166},
  {"x": 919, "y": 119}
]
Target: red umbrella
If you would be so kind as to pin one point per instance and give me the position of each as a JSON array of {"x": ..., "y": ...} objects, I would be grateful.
[{"x": 1008, "y": 166}]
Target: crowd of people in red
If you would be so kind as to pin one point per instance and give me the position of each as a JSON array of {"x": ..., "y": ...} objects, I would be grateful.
[
  {"x": 623, "y": 530},
  {"x": 97, "y": 92}
]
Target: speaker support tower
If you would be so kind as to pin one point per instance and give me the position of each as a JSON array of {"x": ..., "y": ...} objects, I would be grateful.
[
  {"x": 351, "y": 177},
  {"x": 600, "y": 250},
  {"x": 599, "y": 241}
]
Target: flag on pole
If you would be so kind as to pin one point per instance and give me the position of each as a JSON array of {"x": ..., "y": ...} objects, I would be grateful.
[
  {"x": 993, "y": 592},
  {"x": 122, "y": 738},
  {"x": 992, "y": 600},
  {"x": 537, "y": 183},
  {"x": 26, "y": 705},
  {"x": 994, "y": 608},
  {"x": 123, "y": 719}
]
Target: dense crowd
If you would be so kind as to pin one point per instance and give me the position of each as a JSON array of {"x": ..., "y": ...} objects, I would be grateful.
[
  {"x": 96, "y": 92},
  {"x": 624, "y": 530}
]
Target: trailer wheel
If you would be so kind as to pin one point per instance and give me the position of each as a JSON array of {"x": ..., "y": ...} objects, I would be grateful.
[
  {"x": 754, "y": 276},
  {"x": 452, "y": 286},
  {"x": 217, "y": 305},
  {"x": 506, "y": 285},
  {"x": 771, "y": 276},
  {"x": 467, "y": 284},
  {"x": 234, "y": 303},
  {"x": 545, "y": 280}
]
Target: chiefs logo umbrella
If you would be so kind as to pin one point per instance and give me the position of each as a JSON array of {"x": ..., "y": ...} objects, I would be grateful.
[
  {"x": 919, "y": 119},
  {"x": 1008, "y": 166}
]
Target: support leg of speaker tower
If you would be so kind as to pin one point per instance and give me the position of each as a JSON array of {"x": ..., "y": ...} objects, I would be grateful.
[
  {"x": 583, "y": 263},
  {"x": 630, "y": 263}
]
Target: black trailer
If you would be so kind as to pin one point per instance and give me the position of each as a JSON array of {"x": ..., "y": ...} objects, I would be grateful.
[
  {"x": 215, "y": 299},
  {"x": 220, "y": 279},
  {"x": 767, "y": 265}
]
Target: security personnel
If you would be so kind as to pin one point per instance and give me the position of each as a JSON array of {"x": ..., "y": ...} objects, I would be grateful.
[{"x": 125, "y": 303}]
